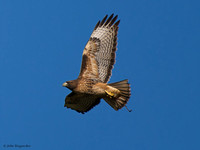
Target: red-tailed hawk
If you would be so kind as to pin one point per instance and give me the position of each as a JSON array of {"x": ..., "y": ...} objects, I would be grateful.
[{"x": 97, "y": 63}]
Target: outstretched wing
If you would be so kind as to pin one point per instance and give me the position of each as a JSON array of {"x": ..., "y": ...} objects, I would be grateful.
[
  {"x": 81, "y": 102},
  {"x": 99, "y": 53}
]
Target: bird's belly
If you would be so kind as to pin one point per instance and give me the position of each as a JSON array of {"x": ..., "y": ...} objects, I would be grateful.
[{"x": 99, "y": 89}]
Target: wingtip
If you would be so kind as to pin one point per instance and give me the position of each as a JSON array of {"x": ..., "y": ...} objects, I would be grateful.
[
  {"x": 117, "y": 23},
  {"x": 108, "y": 21},
  {"x": 97, "y": 25},
  {"x": 103, "y": 20}
]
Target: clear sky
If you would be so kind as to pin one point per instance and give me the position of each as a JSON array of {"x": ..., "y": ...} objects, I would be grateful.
[{"x": 41, "y": 44}]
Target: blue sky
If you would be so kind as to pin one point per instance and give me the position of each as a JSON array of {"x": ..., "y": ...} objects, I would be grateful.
[{"x": 41, "y": 44}]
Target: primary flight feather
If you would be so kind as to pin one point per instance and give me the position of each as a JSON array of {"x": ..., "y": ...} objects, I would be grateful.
[{"x": 97, "y": 62}]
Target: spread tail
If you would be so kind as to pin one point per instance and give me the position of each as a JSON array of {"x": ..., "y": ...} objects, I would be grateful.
[{"x": 125, "y": 93}]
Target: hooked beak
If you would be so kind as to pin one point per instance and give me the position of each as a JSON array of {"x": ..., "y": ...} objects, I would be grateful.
[{"x": 65, "y": 84}]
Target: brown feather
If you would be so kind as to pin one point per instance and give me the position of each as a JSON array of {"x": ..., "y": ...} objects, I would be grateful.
[{"x": 81, "y": 102}]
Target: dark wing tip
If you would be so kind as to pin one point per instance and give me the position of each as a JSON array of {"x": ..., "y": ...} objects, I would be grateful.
[
  {"x": 113, "y": 20},
  {"x": 117, "y": 23},
  {"x": 97, "y": 24},
  {"x": 103, "y": 20},
  {"x": 110, "y": 21}
]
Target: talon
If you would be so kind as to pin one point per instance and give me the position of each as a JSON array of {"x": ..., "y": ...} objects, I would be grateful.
[{"x": 110, "y": 94}]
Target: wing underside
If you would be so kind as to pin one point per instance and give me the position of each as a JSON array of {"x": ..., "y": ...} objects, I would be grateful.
[{"x": 99, "y": 53}]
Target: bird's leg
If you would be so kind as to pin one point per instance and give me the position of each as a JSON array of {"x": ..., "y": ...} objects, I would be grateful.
[{"x": 110, "y": 94}]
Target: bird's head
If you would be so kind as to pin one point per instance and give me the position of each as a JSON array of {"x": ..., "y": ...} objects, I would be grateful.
[{"x": 70, "y": 84}]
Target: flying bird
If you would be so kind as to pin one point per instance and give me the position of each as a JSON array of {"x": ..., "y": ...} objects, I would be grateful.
[{"x": 97, "y": 63}]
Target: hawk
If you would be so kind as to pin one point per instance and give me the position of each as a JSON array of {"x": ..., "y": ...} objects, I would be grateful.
[{"x": 97, "y": 62}]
